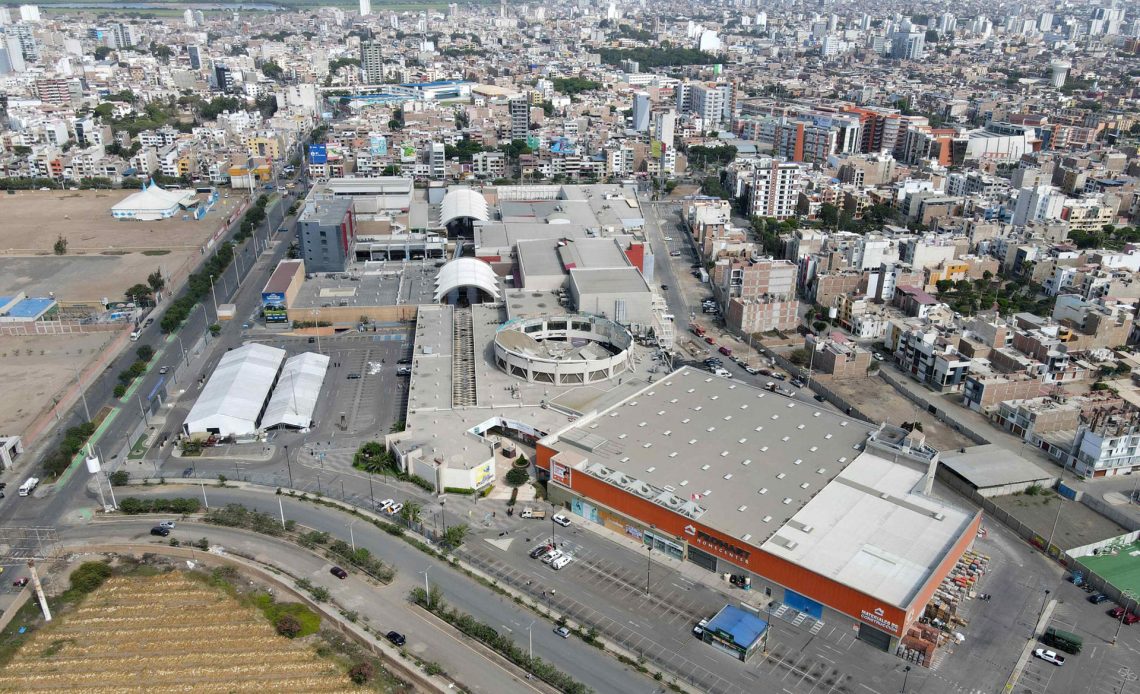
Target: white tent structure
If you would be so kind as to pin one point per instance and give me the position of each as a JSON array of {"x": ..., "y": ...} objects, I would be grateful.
[
  {"x": 237, "y": 391},
  {"x": 295, "y": 397},
  {"x": 460, "y": 203},
  {"x": 466, "y": 272},
  {"x": 153, "y": 203}
]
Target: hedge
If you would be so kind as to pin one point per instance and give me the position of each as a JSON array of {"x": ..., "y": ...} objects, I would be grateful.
[{"x": 133, "y": 505}]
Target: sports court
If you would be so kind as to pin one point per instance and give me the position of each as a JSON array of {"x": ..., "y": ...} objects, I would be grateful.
[{"x": 1121, "y": 569}]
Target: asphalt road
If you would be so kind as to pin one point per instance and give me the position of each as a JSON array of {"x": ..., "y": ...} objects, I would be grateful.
[{"x": 584, "y": 662}]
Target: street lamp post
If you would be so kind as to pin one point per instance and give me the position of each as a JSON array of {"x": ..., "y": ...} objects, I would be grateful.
[
  {"x": 530, "y": 641},
  {"x": 370, "y": 495},
  {"x": 82, "y": 394},
  {"x": 906, "y": 674},
  {"x": 351, "y": 537},
  {"x": 184, "y": 356},
  {"x": 1129, "y": 597},
  {"x": 289, "y": 467},
  {"x": 1040, "y": 612},
  {"x": 214, "y": 294}
]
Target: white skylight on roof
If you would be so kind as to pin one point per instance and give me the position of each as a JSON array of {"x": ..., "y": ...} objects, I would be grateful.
[
  {"x": 660, "y": 412},
  {"x": 805, "y": 485},
  {"x": 759, "y": 429},
  {"x": 674, "y": 401},
  {"x": 791, "y": 404},
  {"x": 622, "y": 436},
  {"x": 815, "y": 414},
  {"x": 625, "y": 459},
  {"x": 686, "y": 420},
  {"x": 705, "y": 466},
  {"x": 821, "y": 470},
  {"x": 744, "y": 406},
  {"x": 843, "y": 424},
  {"x": 692, "y": 390},
  {"x": 650, "y": 469},
  {"x": 797, "y": 461},
  {"x": 780, "y": 475},
  {"x": 800, "y": 426},
  {"x": 828, "y": 436},
  {"x": 775, "y": 416},
  {"x": 787, "y": 500},
  {"x": 786, "y": 439},
  {"x": 667, "y": 432},
  {"x": 642, "y": 424},
  {"x": 684, "y": 483},
  {"x": 707, "y": 492},
  {"x": 763, "y": 490},
  {"x": 763, "y": 449},
  {"x": 692, "y": 441},
  {"x": 747, "y": 537},
  {"x": 767, "y": 519},
  {"x": 728, "y": 476},
  {"x": 741, "y": 440},
  {"x": 746, "y": 461},
  {"x": 724, "y": 454},
  {"x": 698, "y": 408},
  {"x": 843, "y": 459},
  {"x": 673, "y": 454},
  {"x": 742, "y": 509},
  {"x": 813, "y": 449},
  {"x": 633, "y": 404},
  {"x": 613, "y": 414},
  {"x": 711, "y": 429},
  {"x": 714, "y": 397},
  {"x": 646, "y": 444}
]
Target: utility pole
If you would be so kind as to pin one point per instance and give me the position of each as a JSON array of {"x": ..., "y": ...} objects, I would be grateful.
[
  {"x": 289, "y": 466},
  {"x": 82, "y": 394}
]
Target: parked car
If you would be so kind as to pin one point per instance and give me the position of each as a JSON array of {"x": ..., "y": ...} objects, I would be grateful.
[
  {"x": 710, "y": 340},
  {"x": 20, "y": 582},
  {"x": 385, "y": 504},
  {"x": 353, "y": 376},
  {"x": 396, "y": 638},
  {"x": 160, "y": 531},
  {"x": 699, "y": 629},
  {"x": 561, "y": 520},
  {"x": 169, "y": 525},
  {"x": 539, "y": 551},
  {"x": 164, "y": 369},
  {"x": 405, "y": 360},
  {"x": 395, "y": 508},
  {"x": 1098, "y": 598},
  {"x": 819, "y": 398},
  {"x": 664, "y": 287},
  {"x": 1131, "y": 618},
  {"x": 403, "y": 371},
  {"x": 797, "y": 383},
  {"x": 338, "y": 572},
  {"x": 1049, "y": 656},
  {"x": 561, "y": 561},
  {"x": 779, "y": 376},
  {"x": 551, "y": 556},
  {"x": 563, "y": 632},
  {"x": 752, "y": 370}
]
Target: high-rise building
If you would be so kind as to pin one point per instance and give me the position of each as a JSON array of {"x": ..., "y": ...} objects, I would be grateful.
[
  {"x": 772, "y": 187},
  {"x": 664, "y": 125},
  {"x": 327, "y": 232},
  {"x": 195, "y": 54},
  {"x": 641, "y": 111},
  {"x": 371, "y": 62},
  {"x": 908, "y": 45},
  {"x": 188, "y": 18},
  {"x": 5, "y": 16},
  {"x": 125, "y": 35},
  {"x": 11, "y": 56},
  {"x": 365, "y": 8},
  {"x": 29, "y": 47},
  {"x": 29, "y": 13},
  {"x": 712, "y": 102},
  {"x": 437, "y": 160},
  {"x": 520, "y": 117},
  {"x": 223, "y": 78}
]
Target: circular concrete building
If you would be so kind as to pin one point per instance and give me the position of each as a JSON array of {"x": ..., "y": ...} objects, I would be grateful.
[{"x": 563, "y": 350}]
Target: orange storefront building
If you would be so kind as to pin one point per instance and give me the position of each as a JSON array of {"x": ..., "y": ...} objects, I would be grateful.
[{"x": 801, "y": 501}]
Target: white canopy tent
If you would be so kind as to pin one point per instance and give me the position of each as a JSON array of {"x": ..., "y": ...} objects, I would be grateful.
[
  {"x": 295, "y": 397},
  {"x": 233, "y": 398}
]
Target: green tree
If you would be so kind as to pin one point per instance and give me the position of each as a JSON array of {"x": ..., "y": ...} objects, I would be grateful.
[
  {"x": 517, "y": 476},
  {"x": 454, "y": 535},
  {"x": 101, "y": 52},
  {"x": 272, "y": 70},
  {"x": 139, "y": 293},
  {"x": 145, "y": 353},
  {"x": 287, "y": 625},
  {"x": 799, "y": 357},
  {"x": 156, "y": 281},
  {"x": 411, "y": 511},
  {"x": 60, "y": 246}
]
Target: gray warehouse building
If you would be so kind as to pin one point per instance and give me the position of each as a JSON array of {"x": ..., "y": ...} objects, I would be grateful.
[{"x": 327, "y": 231}]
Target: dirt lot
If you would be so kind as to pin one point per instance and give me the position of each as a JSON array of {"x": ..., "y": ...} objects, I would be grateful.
[
  {"x": 104, "y": 255},
  {"x": 877, "y": 398},
  {"x": 38, "y": 368},
  {"x": 1077, "y": 524},
  {"x": 166, "y": 633}
]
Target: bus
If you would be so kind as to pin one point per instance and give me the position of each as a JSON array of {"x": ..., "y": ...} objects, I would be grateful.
[
  {"x": 1064, "y": 640},
  {"x": 28, "y": 485}
]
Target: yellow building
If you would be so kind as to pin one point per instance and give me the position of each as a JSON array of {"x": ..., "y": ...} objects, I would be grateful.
[
  {"x": 952, "y": 271},
  {"x": 262, "y": 146}
]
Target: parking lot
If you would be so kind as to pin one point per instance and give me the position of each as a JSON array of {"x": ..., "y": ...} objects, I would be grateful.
[
  {"x": 362, "y": 393},
  {"x": 605, "y": 587}
]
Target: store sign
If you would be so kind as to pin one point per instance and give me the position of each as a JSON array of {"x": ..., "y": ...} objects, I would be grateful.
[
  {"x": 723, "y": 547},
  {"x": 879, "y": 620},
  {"x": 632, "y": 531},
  {"x": 483, "y": 474},
  {"x": 560, "y": 473}
]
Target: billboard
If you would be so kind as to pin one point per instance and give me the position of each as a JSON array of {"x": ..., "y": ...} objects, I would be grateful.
[
  {"x": 318, "y": 154},
  {"x": 377, "y": 145},
  {"x": 273, "y": 298},
  {"x": 408, "y": 153},
  {"x": 275, "y": 314}
]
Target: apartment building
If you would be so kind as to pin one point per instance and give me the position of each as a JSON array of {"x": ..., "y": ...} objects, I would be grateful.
[{"x": 930, "y": 358}]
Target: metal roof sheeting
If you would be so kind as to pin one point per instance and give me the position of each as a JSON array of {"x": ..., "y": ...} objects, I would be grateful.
[
  {"x": 295, "y": 397},
  {"x": 237, "y": 390}
]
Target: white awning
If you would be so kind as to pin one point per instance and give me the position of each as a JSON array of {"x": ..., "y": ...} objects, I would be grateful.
[
  {"x": 295, "y": 397},
  {"x": 466, "y": 272},
  {"x": 462, "y": 202}
]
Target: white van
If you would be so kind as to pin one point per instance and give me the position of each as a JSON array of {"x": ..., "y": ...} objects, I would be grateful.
[
  {"x": 561, "y": 561},
  {"x": 136, "y": 334},
  {"x": 28, "y": 485}
]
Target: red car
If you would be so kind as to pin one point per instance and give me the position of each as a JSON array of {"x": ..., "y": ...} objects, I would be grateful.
[
  {"x": 20, "y": 582},
  {"x": 1129, "y": 618},
  {"x": 710, "y": 340}
]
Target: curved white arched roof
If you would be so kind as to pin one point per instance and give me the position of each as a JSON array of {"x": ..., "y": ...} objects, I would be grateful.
[
  {"x": 466, "y": 272},
  {"x": 462, "y": 202}
]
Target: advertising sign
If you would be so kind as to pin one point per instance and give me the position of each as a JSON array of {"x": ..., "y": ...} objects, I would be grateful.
[
  {"x": 377, "y": 145},
  {"x": 318, "y": 154},
  {"x": 408, "y": 153},
  {"x": 560, "y": 473},
  {"x": 483, "y": 474},
  {"x": 272, "y": 298},
  {"x": 276, "y": 314}
]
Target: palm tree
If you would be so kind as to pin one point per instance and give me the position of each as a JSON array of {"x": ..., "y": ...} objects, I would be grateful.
[{"x": 411, "y": 511}]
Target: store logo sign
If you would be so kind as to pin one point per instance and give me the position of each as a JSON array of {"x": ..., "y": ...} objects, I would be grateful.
[
  {"x": 723, "y": 547},
  {"x": 690, "y": 530},
  {"x": 878, "y": 619},
  {"x": 560, "y": 473}
]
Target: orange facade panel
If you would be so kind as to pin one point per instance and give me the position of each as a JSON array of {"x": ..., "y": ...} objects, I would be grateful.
[
  {"x": 960, "y": 546},
  {"x": 835, "y": 595}
]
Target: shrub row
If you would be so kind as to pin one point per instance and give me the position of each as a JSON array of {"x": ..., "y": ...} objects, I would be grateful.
[
  {"x": 238, "y": 516},
  {"x": 197, "y": 287},
  {"x": 73, "y": 441},
  {"x": 132, "y": 505},
  {"x": 362, "y": 559}
]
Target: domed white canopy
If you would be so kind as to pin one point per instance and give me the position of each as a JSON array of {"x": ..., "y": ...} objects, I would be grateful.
[
  {"x": 462, "y": 202},
  {"x": 466, "y": 272}
]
